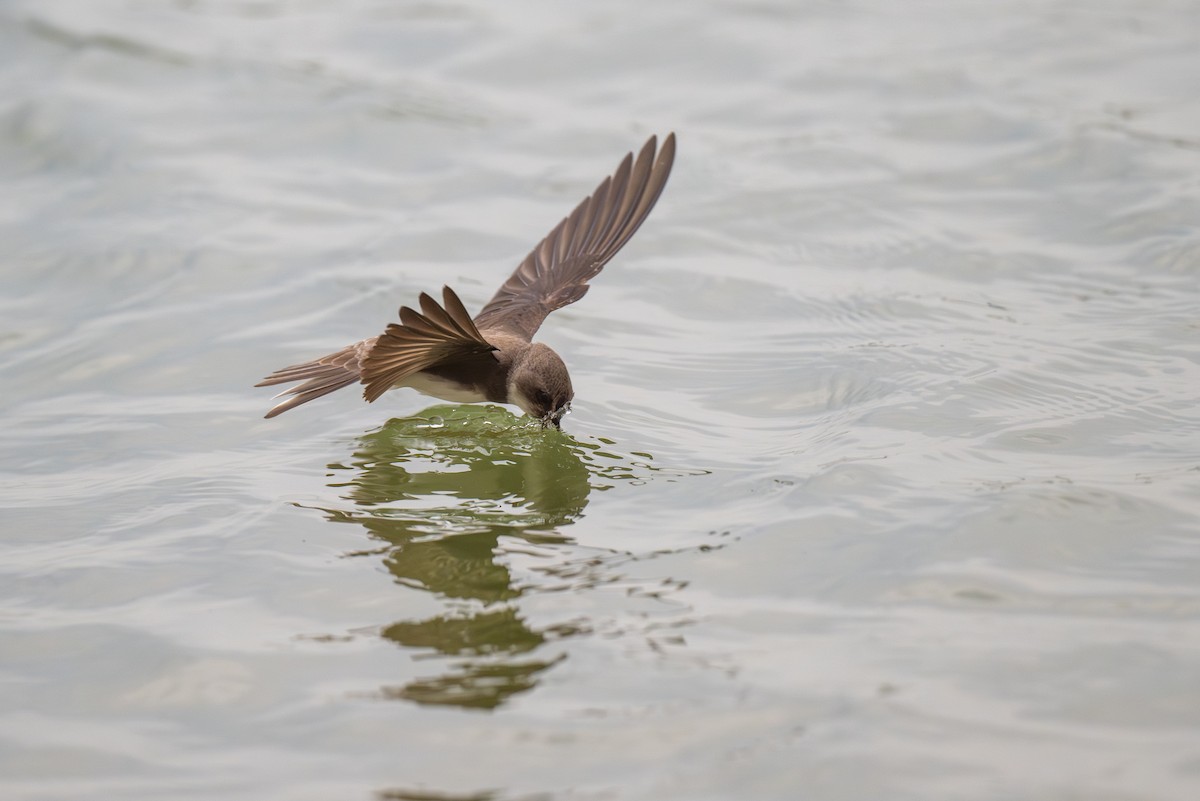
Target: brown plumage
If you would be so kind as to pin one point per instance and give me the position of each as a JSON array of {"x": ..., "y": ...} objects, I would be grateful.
[
  {"x": 438, "y": 335},
  {"x": 324, "y": 375},
  {"x": 443, "y": 352}
]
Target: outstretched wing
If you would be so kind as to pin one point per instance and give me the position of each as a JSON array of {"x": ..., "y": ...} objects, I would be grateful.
[
  {"x": 557, "y": 271},
  {"x": 428, "y": 338}
]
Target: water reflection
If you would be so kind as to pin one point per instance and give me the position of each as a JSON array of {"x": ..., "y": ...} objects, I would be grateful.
[{"x": 440, "y": 490}]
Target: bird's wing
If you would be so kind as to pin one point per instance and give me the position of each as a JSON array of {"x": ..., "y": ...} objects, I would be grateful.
[
  {"x": 436, "y": 335},
  {"x": 556, "y": 272}
]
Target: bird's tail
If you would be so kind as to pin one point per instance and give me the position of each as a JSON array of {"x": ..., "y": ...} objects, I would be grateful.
[{"x": 319, "y": 377}]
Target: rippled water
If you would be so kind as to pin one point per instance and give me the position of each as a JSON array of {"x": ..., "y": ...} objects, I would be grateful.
[{"x": 883, "y": 479}]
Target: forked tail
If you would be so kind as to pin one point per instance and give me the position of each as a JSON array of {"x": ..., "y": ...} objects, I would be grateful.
[{"x": 319, "y": 377}]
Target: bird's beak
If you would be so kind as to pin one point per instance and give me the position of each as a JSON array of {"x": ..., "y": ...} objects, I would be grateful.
[{"x": 555, "y": 418}]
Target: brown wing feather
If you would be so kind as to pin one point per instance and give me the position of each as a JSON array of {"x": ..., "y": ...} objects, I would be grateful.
[
  {"x": 433, "y": 336},
  {"x": 556, "y": 272},
  {"x": 320, "y": 377}
]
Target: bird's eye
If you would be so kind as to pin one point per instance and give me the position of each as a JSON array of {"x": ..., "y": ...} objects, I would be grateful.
[{"x": 542, "y": 398}]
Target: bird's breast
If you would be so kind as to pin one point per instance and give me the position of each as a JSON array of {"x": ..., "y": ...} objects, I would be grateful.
[{"x": 447, "y": 389}]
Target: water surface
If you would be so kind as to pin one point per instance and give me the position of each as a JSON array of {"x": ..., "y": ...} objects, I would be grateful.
[{"x": 883, "y": 477}]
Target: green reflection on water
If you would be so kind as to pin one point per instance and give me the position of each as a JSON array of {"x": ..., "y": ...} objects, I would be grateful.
[{"x": 440, "y": 490}]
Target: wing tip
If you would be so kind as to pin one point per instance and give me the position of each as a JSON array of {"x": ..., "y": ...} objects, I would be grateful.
[{"x": 668, "y": 147}]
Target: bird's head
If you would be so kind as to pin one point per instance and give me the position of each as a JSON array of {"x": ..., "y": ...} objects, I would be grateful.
[{"x": 541, "y": 386}]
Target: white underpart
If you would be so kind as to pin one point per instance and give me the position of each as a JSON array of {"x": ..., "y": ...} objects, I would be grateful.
[
  {"x": 516, "y": 396},
  {"x": 441, "y": 388}
]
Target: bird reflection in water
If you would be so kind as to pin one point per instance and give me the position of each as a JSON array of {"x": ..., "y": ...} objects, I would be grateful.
[{"x": 441, "y": 490}]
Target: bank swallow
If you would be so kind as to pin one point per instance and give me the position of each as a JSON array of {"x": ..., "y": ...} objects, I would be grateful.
[{"x": 443, "y": 352}]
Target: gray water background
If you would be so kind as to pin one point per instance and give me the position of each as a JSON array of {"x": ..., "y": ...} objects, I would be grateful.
[{"x": 883, "y": 478}]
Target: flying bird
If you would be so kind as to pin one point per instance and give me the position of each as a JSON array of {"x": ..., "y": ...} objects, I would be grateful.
[{"x": 442, "y": 351}]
